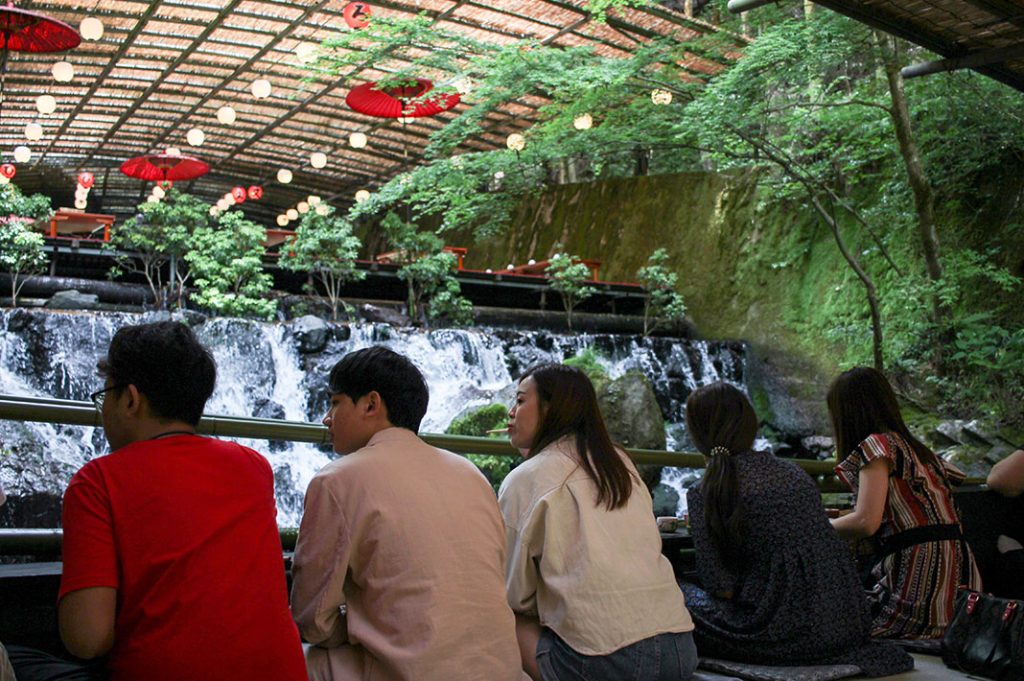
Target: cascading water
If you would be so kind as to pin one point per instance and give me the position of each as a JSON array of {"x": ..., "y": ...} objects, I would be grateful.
[{"x": 263, "y": 372}]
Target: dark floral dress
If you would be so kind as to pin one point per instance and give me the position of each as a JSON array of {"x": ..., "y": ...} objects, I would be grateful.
[{"x": 796, "y": 597}]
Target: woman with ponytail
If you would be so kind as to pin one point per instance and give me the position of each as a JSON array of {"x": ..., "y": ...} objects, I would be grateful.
[
  {"x": 778, "y": 586},
  {"x": 593, "y": 596}
]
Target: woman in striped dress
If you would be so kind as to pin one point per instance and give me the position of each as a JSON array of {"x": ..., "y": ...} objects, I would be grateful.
[{"x": 904, "y": 502}]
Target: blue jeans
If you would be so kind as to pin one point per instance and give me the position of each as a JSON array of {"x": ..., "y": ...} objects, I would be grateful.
[{"x": 666, "y": 657}]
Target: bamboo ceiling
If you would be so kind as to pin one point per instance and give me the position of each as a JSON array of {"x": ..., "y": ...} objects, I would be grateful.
[
  {"x": 163, "y": 67},
  {"x": 989, "y": 32}
]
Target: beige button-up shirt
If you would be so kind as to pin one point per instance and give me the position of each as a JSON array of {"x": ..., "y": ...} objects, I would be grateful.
[
  {"x": 408, "y": 538},
  {"x": 597, "y": 578}
]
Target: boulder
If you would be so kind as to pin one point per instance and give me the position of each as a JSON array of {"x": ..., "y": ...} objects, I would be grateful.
[
  {"x": 666, "y": 500},
  {"x": 73, "y": 300},
  {"x": 633, "y": 417},
  {"x": 383, "y": 315},
  {"x": 311, "y": 334}
]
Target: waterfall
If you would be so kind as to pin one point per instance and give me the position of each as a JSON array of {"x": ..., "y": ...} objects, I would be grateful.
[{"x": 262, "y": 372}]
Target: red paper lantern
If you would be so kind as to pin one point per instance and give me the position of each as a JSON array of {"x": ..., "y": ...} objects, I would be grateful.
[
  {"x": 86, "y": 180},
  {"x": 8, "y": 170},
  {"x": 255, "y": 192},
  {"x": 239, "y": 194},
  {"x": 357, "y": 14}
]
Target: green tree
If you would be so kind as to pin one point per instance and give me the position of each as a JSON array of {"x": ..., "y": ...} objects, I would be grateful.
[
  {"x": 569, "y": 277},
  {"x": 325, "y": 247},
  {"x": 21, "y": 248},
  {"x": 158, "y": 237},
  {"x": 662, "y": 303},
  {"x": 433, "y": 292},
  {"x": 226, "y": 261},
  {"x": 21, "y": 254}
]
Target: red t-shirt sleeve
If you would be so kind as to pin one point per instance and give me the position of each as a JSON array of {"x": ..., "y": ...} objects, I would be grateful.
[{"x": 90, "y": 558}]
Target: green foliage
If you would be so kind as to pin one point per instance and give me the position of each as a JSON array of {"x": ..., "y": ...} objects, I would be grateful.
[
  {"x": 476, "y": 424},
  {"x": 433, "y": 290},
  {"x": 324, "y": 246},
  {"x": 600, "y": 8},
  {"x": 227, "y": 263},
  {"x": 588, "y": 361},
  {"x": 14, "y": 203},
  {"x": 569, "y": 277},
  {"x": 21, "y": 254},
  {"x": 21, "y": 248},
  {"x": 160, "y": 233},
  {"x": 662, "y": 303}
]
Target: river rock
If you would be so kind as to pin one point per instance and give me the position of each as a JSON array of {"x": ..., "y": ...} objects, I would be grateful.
[
  {"x": 382, "y": 315},
  {"x": 311, "y": 334},
  {"x": 73, "y": 300},
  {"x": 666, "y": 500},
  {"x": 633, "y": 416}
]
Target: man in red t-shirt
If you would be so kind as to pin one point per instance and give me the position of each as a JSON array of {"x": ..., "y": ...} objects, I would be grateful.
[{"x": 172, "y": 559}]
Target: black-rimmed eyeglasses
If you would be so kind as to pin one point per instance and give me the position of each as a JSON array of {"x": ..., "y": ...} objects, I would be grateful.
[{"x": 100, "y": 395}]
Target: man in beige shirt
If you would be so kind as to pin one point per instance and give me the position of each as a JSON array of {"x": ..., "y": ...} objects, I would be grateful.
[{"x": 399, "y": 567}]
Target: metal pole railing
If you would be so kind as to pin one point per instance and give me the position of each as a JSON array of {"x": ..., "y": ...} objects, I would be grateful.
[{"x": 71, "y": 412}]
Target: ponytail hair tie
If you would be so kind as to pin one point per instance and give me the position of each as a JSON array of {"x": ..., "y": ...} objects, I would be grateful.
[{"x": 720, "y": 451}]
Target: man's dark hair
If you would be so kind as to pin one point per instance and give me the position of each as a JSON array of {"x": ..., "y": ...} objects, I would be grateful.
[
  {"x": 398, "y": 381},
  {"x": 167, "y": 364}
]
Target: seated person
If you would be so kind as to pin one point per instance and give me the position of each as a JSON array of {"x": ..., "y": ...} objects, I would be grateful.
[
  {"x": 779, "y": 586},
  {"x": 398, "y": 568},
  {"x": 172, "y": 560},
  {"x": 593, "y": 595},
  {"x": 1007, "y": 478},
  {"x": 904, "y": 502}
]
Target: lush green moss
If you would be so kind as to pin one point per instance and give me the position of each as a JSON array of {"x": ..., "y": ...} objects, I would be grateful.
[
  {"x": 477, "y": 423},
  {"x": 587, "y": 362}
]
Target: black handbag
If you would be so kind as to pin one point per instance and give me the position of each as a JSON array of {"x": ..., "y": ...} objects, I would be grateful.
[{"x": 986, "y": 636}]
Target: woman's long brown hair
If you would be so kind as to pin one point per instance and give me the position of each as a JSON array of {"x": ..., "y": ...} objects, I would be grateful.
[
  {"x": 720, "y": 415},
  {"x": 861, "y": 403},
  {"x": 569, "y": 407}
]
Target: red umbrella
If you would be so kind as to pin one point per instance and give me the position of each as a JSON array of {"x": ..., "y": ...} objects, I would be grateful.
[
  {"x": 160, "y": 167},
  {"x": 396, "y": 102},
  {"x": 23, "y": 30}
]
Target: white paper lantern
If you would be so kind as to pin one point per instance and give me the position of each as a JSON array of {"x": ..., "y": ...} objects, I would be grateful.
[
  {"x": 531, "y": 261},
  {"x": 282, "y": 220},
  {"x": 510, "y": 267},
  {"x": 302, "y": 207},
  {"x": 63, "y": 72},
  {"x": 306, "y": 52},
  {"x": 150, "y": 199},
  {"x": 284, "y": 176},
  {"x": 357, "y": 140},
  {"x": 80, "y": 204},
  {"x": 46, "y": 104},
  {"x": 226, "y": 115},
  {"x": 516, "y": 142},
  {"x": 223, "y": 205},
  {"x": 33, "y": 132},
  {"x": 323, "y": 210},
  {"x": 81, "y": 193},
  {"x": 318, "y": 159},
  {"x": 661, "y": 97},
  {"x": 406, "y": 120},
  {"x": 195, "y": 137},
  {"x": 172, "y": 151},
  {"x": 158, "y": 192},
  {"x": 22, "y": 154},
  {"x": 91, "y": 28},
  {"x": 292, "y": 214},
  {"x": 228, "y": 198},
  {"x": 362, "y": 195},
  {"x": 583, "y": 122},
  {"x": 214, "y": 211},
  {"x": 4, "y": 180},
  {"x": 313, "y": 200},
  {"x": 261, "y": 88}
]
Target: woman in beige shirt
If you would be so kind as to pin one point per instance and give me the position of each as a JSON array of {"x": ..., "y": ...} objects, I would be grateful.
[{"x": 593, "y": 596}]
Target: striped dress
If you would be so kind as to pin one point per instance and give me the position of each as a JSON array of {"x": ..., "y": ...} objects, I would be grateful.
[{"x": 912, "y": 589}]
